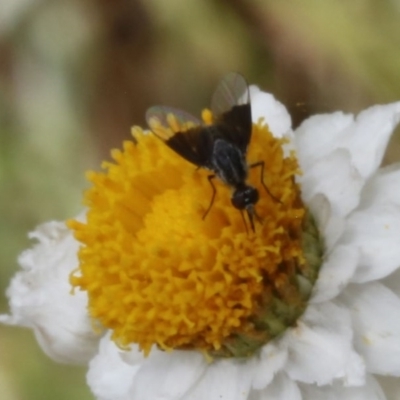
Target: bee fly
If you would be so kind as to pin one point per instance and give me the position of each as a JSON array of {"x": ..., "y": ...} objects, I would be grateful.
[{"x": 220, "y": 147}]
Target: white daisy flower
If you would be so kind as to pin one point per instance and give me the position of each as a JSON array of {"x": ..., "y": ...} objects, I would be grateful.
[{"x": 306, "y": 306}]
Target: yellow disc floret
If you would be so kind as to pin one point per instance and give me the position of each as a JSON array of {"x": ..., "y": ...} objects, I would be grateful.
[{"x": 156, "y": 273}]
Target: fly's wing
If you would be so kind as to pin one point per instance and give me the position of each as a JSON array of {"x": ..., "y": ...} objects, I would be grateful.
[
  {"x": 182, "y": 132},
  {"x": 230, "y": 105}
]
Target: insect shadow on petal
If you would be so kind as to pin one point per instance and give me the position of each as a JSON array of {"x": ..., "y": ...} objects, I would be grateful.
[{"x": 220, "y": 147}]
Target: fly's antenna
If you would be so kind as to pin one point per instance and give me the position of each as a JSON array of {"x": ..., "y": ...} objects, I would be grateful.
[{"x": 244, "y": 222}]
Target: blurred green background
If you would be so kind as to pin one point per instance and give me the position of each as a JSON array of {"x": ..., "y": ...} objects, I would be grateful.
[{"x": 76, "y": 75}]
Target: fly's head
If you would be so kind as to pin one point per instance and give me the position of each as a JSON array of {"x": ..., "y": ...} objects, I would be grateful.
[{"x": 244, "y": 196}]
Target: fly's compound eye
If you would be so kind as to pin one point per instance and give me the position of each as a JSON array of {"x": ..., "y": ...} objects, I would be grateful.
[{"x": 244, "y": 196}]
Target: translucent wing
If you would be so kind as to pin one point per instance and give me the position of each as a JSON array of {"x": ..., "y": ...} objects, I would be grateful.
[
  {"x": 231, "y": 108},
  {"x": 165, "y": 122},
  {"x": 231, "y": 91},
  {"x": 182, "y": 132}
]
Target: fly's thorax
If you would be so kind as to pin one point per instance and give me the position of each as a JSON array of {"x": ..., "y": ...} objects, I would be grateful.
[
  {"x": 229, "y": 163},
  {"x": 244, "y": 196}
]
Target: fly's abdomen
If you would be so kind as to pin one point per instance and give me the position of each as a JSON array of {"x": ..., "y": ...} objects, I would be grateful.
[{"x": 228, "y": 163}]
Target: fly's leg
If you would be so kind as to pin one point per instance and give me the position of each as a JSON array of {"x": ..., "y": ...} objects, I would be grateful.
[
  {"x": 261, "y": 164},
  {"x": 210, "y": 178}
]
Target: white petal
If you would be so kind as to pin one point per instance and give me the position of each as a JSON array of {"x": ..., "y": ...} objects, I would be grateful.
[
  {"x": 271, "y": 360},
  {"x": 370, "y": 391},
  {"x": 365, "y": 138},
  {"x": 282, "y": 388},
  {"x": 335, "y": 178},
  {"x": 320, "y": 347},
  {"x": 109, "y": 376},
  {"x": 168, "y": 376},
  {"x": 335, "y": 273},
  {"x": 368, "y": 138},
  {"x": 330, "y": 226},
  {"x": 376, "y": 232},
  {"x": 40, "y": 297},
  {"x": 375, "y": 312},
  {"x": 383, "y": 188},
  {"x": 316, "y": 136},
  {"x": 274, "y": 113},
  {"x": 224, "y": 379}
]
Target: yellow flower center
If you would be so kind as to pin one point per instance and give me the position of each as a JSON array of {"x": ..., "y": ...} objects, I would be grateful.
[{"x": 156, "y": 273}]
